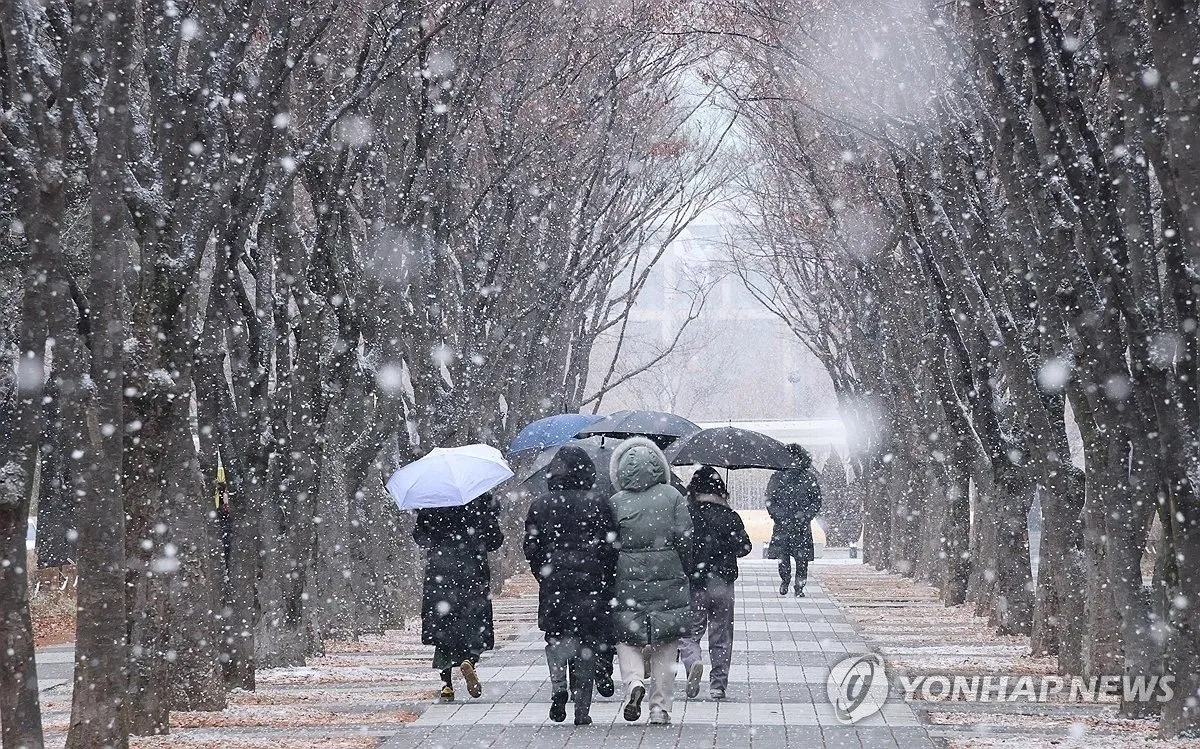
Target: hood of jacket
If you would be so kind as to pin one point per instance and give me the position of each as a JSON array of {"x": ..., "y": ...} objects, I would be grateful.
[
  {"x": 801, "y": 458},
  {"x": 637, "y": 464},
  {"x": 707, "y": 481},
  {"x": 571, "y": 468}
]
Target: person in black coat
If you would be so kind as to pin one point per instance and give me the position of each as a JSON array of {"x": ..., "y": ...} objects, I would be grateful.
[
  {"x": 456, "y": 602},
  {"x": 718, "y": 539},
  {"x": 793, "y": 500},
  {"x": 569, "y": 536}
]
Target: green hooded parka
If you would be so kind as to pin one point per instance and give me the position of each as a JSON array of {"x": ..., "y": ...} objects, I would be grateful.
[{"x": 651, "y": 600}]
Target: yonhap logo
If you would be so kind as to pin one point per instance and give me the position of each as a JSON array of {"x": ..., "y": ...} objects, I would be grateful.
[{"x": 857, "y": 687}]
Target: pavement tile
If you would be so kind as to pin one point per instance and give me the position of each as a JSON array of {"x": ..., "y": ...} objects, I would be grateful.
[{"x": 783, "y": 648}]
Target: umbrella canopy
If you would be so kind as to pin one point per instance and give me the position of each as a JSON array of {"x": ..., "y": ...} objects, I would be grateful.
[
  {"x": 730, "y": 447},
  {"x": 599, "y": 449},
  {"x": 661, "y": 427},
  {"x": 551, "y": 431},
  {"x": 448, "y": 477},
  {"x": 533, "y": 478}
]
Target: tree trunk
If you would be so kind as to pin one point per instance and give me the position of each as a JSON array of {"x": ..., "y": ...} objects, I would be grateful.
[
  {"x": 148, "y": 568},
  {"x": 20, "y": 710},
  {"x": 956, "y": 530},
  {"x": 1181, "y": 716},
  {"x": 1013, "y": 614},
  {"x": 100, "y": 697},
  {"x": 1101, "y": 642},
  {"x": 195, "y": 674},
  {"x": 981, "y": 589},
  {"x": 56, "y": 502}
]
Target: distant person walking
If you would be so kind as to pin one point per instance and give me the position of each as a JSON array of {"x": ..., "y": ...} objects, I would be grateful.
[
  {"x": 569, "y": 536},
  {"x": 652, "y": 603},
  {"x": 718, "y": 539},
  {"x": 456, "y": 602},
  {"x": 793, "y": 500}
]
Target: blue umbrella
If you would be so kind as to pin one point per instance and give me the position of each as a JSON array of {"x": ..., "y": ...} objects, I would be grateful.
[{"x": 551, "y": 431}]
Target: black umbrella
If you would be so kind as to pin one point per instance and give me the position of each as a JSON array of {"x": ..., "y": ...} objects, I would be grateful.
[
  {"x": 730, "y": 447},
  {"x": 533, "y": 478},
  {"x": 600, "y": 450},
  {"x": 662, "y": 428}
]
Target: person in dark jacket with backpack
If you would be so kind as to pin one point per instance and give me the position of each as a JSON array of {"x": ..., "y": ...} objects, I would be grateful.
[
  {"x": 456, "y": 602},
  {"x": 718, "y": 539},
  {"x": 569, "y": 535},
  {"x": 793, "y": 500}
]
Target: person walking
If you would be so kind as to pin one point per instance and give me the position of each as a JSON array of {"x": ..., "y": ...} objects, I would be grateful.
[
  {"x": 652, "y": 602},
  {"x": 793, "y": 500},
  {"x": 569, "y": 535},
  {"x": 456, "y": 600},
  {"x": 718, "y": 539}
]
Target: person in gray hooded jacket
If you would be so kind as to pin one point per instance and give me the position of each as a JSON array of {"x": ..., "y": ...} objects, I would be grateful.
[{"x": 651, "y": 599}]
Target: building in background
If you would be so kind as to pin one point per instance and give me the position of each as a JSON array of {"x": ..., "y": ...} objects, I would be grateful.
[{"x": 735, "y": 362}]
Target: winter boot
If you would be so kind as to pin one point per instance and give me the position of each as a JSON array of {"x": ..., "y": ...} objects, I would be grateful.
[
  {"x": 694, "y": 675},
  {"x": 604, "y": 684},
  {"x": 474, "y": 688},
  {"x": 558, "y": 707}
]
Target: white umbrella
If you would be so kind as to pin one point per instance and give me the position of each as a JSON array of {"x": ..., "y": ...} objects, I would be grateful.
[{"x": 448, "y": 477}]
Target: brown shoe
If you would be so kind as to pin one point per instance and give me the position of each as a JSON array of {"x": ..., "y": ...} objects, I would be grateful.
[
  {"x": 447, "y": 694},
  {"x": 474, "y": 688}
]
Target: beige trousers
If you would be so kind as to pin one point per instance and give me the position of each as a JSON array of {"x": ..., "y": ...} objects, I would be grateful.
[{"x": 662, "y": 670}]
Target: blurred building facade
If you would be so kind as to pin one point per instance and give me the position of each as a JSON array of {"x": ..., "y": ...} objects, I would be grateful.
[{"x": 735, "y": 362}]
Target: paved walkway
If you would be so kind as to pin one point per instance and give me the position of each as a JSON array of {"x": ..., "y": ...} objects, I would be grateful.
[
  {"x": 777, "y": 695},
  {"x": 55, "y": 666}
]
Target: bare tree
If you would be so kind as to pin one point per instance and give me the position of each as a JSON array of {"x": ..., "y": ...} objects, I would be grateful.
[{"x": 1012, "y": 218}]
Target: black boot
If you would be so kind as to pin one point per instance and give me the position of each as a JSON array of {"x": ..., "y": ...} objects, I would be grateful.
[
  {"x": 604, "y": 684},
  {"x": 783, "y": 588},
  {"x": 799, "y": 590},
  {"x": 558, "y": 707}
]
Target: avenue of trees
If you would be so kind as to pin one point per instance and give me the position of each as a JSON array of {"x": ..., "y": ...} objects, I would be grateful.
[
  {"x": 298, "y": 243},
  {"x": 983, "y": 217}
]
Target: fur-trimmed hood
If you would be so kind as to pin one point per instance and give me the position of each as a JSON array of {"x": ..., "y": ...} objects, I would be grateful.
[{"x": 638, "y": 464}]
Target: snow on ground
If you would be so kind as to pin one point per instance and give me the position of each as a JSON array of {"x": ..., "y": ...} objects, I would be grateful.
[
  {"x": 905, "y": 621},
  {"x": 328, "y": 674},
  {"x": 360, "y": 692}
]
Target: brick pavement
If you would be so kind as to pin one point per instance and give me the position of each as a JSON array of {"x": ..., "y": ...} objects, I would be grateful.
[{"x": 783, "y": 648}]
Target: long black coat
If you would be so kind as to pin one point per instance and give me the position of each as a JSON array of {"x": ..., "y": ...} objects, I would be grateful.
[
  {"x": 569, "y": 536},
  {"x": 793, "y": 500},
  {"x": 456, "y": 603}
]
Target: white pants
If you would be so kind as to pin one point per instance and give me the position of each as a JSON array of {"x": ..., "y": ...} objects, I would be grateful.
[{"x": 662, "y": 670}]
